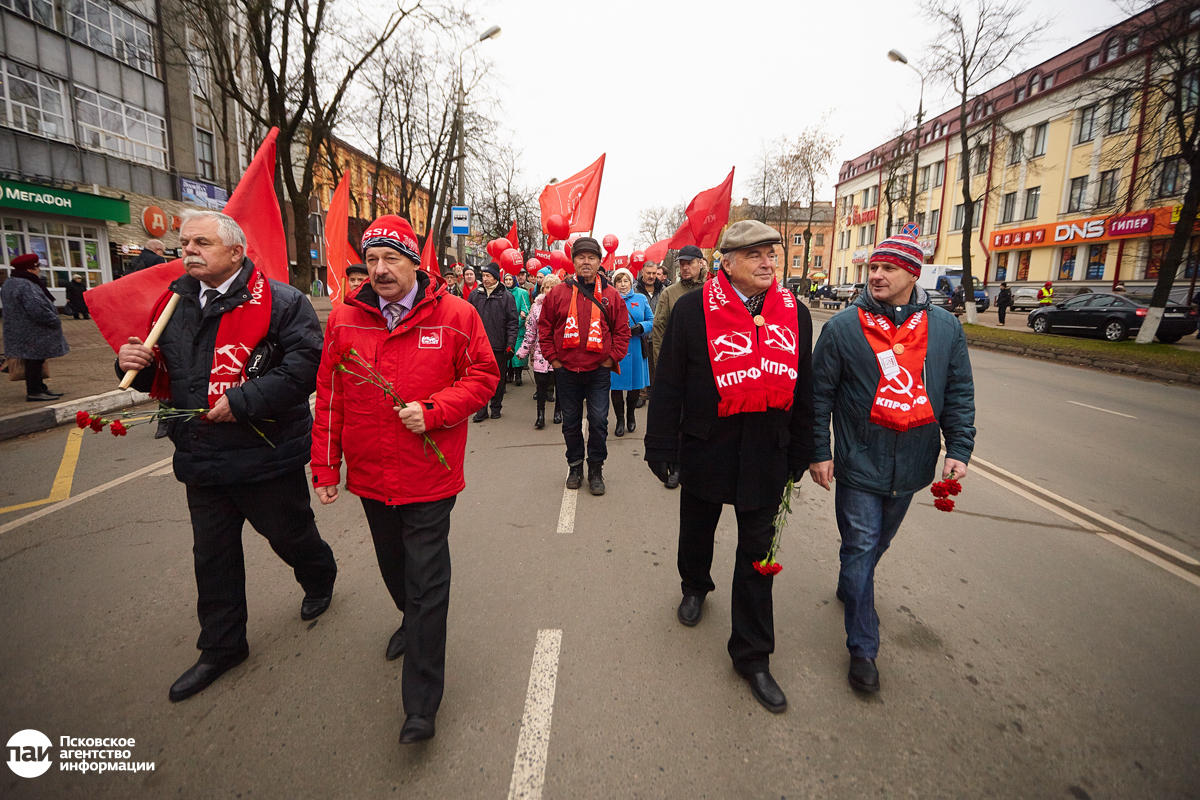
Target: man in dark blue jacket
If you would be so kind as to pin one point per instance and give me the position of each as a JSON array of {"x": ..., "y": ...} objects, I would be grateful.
[
  {"x": 246, "y": 348},
  {"x": 892, "y": 370},
  {"x": 498, "y": 310}
]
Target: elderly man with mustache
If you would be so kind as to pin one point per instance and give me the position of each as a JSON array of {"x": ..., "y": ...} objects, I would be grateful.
[{"x": 247, "y": 348}]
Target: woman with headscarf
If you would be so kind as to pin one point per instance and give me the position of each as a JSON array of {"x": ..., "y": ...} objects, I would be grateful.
[
  {"x": 32, "y": 329},
  {"x": 634, "y": 375}
]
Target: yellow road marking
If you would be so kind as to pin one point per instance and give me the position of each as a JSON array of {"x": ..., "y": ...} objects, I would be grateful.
[{"x": 61, "y": 489}]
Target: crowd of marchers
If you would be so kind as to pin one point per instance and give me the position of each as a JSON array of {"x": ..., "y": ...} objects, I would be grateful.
[{"x": 739, "y": 406}]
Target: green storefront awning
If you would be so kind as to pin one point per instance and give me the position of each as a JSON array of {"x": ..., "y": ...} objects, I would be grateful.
[{"x": 49, "y": 200}]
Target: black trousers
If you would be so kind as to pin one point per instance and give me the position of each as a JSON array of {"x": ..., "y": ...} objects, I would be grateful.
[
  {"x": 33, "y": 375},
  {"x": 752, "y": 639},
  {"x": 413, "y": 548},
  {"x": 544, "y": 383},
  {"x": 498, "y": 397},
  {"x": 278, "y": 509},
  {"x": 625, "y": 402},
  {"x": 1000, "y": 311}
]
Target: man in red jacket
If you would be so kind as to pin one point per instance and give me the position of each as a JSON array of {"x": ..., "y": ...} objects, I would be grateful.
[
  {"x": 584, "y": 333},
  {"x": 406, "y": 330}
]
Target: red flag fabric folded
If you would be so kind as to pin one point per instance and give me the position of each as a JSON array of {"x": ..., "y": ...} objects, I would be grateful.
[
  {"x": 429, "y": 261},
  {"x": 682, "y": 238},
  {"x": 123, "y": 307},
  {"x": 706, "y": 216},
  {"x": 658, "y": 251},
  {"x": 574, "y": 198},
  {"x": 337, "y": 245},
  {"x": 512, "y": 237}
]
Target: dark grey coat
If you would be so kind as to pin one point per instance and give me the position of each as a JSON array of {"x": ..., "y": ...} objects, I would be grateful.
[
  {"x": 499, "y": 313},
  {"x": 32, "y": 328}
]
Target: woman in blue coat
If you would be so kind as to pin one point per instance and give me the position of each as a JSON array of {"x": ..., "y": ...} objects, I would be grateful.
[{"x": 635, "y": 372}]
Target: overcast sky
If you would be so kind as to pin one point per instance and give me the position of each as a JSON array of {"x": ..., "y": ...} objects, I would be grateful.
[{"x": 676, "y": 93}]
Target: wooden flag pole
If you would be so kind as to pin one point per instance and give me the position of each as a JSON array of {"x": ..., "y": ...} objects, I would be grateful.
[{"x": 152, "y": 339}]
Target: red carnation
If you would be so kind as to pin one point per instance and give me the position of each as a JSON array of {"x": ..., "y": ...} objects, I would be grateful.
[
  {"x": 954, "y": 487},
  {"x": 97, "y": 424},
  {"x": 768, "y": 568},
  {"x": 83, "y": 419},
  {"x": 939, "y": 489},
  {"x": 943, "y": 504},
  {"x": 117, "y": 428}
]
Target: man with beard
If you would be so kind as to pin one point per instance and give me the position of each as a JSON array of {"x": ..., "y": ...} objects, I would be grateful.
[
  {"x": 244, "y": 460},
  {"x": 732, "y": 407}
]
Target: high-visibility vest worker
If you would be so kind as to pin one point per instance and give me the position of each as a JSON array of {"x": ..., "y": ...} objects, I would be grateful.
[{"x": 1046, "y": 294}]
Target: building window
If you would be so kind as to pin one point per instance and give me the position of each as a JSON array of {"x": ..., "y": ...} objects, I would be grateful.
[
  {"x": 32, "y": 102},
  {"x": 1131, "y": 43},
  {"x": 1047, "y": 82},
  {"x": 797, "y": 239},
  {"x": 1097, "y": 255},
  {"x": 1093, "y": 61},
  {"x": 1035, "y": 83},
  {"x": 206, "y": 162},
  {"x": 1112, "y": 49},
  {"x": 1078, "y": 198},
  {"x": 1119, "y": 110},
  {"x": 981, "y": 160},
  {"x": 1002, "y": 266},
  {"x": 1023, "y": 264},
  {"x": 797, "y": 261},
  {"x": 1066, "y": 263},
  {"x": 939, "y": 173},
  {"x": 1009, "y": 209},
  {"x": 817, "y": 261},
  {"x": 935, "y": 220},
  {"x": 923, "y": 180},
  {"x": 65, "y": 250},
  {"x": 1087, "y": 125},
  {"x": 959, "y": 217},
  {"x": 1032, "y": 198},
  {"x": 1169, "y": 182},
  {"x": 198, "y": 72},
  {"x": 1020, "y": 95},
  {"x": 106, "y": 123},
  {"x": 819, "y": 240},
  {"x": 38, "y": 10},
  {"x": 1190, "y": 90},
  {"x": 113, "y": 31},
  {"x": 1158, "y": 251},
  {"x": 1110, "y": 181},
  {"x": 1016, "y": 147},
  {"x": 1040, "y": 133}
]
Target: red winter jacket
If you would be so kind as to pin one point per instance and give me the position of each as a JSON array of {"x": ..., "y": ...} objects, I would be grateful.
[
  {"x": 553, "y": 321},
  {"x": 438, "y": 355}
]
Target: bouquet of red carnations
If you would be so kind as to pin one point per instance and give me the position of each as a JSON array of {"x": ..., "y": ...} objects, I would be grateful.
[
  {"x": 769, "y": 566},
  {"x": 943, "y": 491},
  {"x": 120, "y": 425}
]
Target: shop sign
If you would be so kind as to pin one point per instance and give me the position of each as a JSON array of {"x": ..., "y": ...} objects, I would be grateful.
[
  {"x": 928, "y": 247},
  {"x": 860, "y": 256},
  {"x": 865, "y": 216},
  {"x": 1022, "y": 237},
  {"x": 1143, "y": 223},
  {"x": 49, "y": 200},
  {"x": 154, "y": 220},
  {"x": 1133, "y": 225},
  {"x": 203, "y": 194}
]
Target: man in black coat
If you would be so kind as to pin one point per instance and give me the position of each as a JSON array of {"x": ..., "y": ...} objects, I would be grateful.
[
  {"x": 153, "y": 253},
  {"x": 732, "y": 404},
  {"x": 498, "y": 309},
  {"x": 244, "y": 460}
]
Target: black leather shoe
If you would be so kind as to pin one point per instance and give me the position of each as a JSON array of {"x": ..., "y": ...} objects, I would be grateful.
[
  {"x": 767, "y": 692},
  {"x": 518, "y": 380},
  {"x": 863, "y": 674},
  {"x": 495, "y": 415},
  {"x": 39, "y": 398},
  {"x": 315, "y": 605},
  {"x": 630, "y": 423},
  {"x": 541, "y": 420},
  {"x": 575, "y": 476},
  {"x": 202, "y": 674},
  {"x": 395, "y": 647},
  {"x": 596, "y": 479},
  {"x": 641, "y": 403},
  {"x": 416, "y": 729},
  {"x": 690, "y": 609},
  {"x": 620, "y": 429},
  {"x": 50, "y": 392},
  {"x": 481, "y": 416},
  {"x": 557, "y": 416},
  {"x": 672, "y": 481}
]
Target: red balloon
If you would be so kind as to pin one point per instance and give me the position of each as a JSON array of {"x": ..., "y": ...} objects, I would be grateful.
[
  {"x": 560, "y": 262},
  {"x": 533, "y": 265},
  {"x": 511, "y": 260},
  {"x": 557, "y": 227},
  {"x": 610, "y": 243},
  {"x": 497, "y": 246},
  {"x": 637, "y": 259}
]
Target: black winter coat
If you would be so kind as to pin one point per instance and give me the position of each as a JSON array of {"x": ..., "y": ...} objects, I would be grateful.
[
  {"x": 743, "y": 459},
  {"x": 225, "y": 453},
  {"x": 144, "y": 259},
  {"x": 499, "y": 314}
]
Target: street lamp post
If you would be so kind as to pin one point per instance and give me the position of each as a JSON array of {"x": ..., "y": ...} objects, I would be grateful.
[
  {"x": 490, "y": 33},
  {"x": 896, "y": 55}
]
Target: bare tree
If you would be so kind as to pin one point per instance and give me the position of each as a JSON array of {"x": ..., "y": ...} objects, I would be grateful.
[
  {"x": 659, "y": 222},
  {"x": 500, "y": 197},
  {"x": 972, "y": 49},
  {"x": 814, "y": 153}
]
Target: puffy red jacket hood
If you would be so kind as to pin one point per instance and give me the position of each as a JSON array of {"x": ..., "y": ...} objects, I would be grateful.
[{"x": 439, "y": 356}]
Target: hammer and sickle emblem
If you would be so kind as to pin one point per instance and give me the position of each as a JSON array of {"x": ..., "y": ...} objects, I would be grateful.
[
  {"x": 780, "y": 337},
  {"x": 731, "y": 345}
]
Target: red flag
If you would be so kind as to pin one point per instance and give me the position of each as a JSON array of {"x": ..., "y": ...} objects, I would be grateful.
[
  {"x": 575, "y": 198},
  {"x": 122, "y": 308},
  {"x": 337, "y": 246},
  {"x": 658, "y": 251},
  {"x": 707, "y": 214},
  {"x": 512, "y": 236},
  {"x": 682, "y": 238},
  {"x": 429, "y": 261}
]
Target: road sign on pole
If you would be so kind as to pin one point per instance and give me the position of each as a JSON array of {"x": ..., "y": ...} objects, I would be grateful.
[{"x": 460, "y": 220}]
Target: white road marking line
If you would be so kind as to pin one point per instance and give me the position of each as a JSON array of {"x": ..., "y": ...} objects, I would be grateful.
[
  {"x": 566, "y": 512},
  {"x": 529, "y": 767},
  {"x": 70, "y": 501},
  {"x": 1087, "y": 526},
  {"x": 167, "y": 470},
  {"x": 1146, "y": 540},
  {"x": 1105, "y": 410},
  {"x": 1174, "y": 569}
]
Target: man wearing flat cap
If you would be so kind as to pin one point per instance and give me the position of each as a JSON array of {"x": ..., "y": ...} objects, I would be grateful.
[
  {"x": 731, "y": 404},
  {"x": 584, "y": 333},
  {"x": 892, "y": 371}
]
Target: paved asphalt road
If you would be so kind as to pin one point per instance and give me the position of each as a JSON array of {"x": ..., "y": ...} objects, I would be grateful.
[{"x": 1023, "y": 655}]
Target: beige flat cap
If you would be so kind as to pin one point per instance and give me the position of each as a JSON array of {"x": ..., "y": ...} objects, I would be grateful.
[{"x": 748, "y": 233}]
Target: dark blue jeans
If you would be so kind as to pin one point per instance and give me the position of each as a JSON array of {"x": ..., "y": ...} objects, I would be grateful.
[
  {"x": 868, "y": 523},
  {"x": 574, "y": 388}
]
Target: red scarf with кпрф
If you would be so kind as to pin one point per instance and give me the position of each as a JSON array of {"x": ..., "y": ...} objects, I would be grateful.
[{"x": 595, "y": 339}]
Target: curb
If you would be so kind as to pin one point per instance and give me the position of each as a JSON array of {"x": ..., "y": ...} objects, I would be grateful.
[
  {"x": 47, "y": 417},
  {"x": 1100, "y": 364}
]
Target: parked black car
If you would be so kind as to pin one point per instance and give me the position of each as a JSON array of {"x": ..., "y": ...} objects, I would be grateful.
[{"x": 1113, "y": 316}]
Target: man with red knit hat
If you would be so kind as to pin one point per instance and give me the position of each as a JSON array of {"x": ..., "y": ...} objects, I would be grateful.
[
  {"x": 892, "y": 371},
  {"x": 405, "y": 363}
]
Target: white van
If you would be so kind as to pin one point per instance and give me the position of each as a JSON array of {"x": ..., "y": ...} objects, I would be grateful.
[{"x": 940, "y": 280}]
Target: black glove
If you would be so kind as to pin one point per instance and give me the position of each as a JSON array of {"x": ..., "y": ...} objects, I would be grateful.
[
  {"x": 661, "y": 469},
  {"x": 636, "y": 329}
]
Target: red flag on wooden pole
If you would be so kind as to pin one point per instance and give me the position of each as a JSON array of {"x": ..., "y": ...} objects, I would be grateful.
[
  {"x": 429, "y": 260},
  {"x": 706, "y": 216},
  {"x": 575, "y": 198},
  {"x": 122, "y": 308},
  {"x": 337, "y": 245}
]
